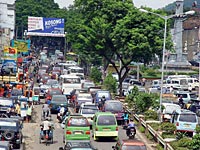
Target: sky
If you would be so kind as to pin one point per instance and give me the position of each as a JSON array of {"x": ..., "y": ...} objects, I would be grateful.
[{"x": 155, "y": 4}]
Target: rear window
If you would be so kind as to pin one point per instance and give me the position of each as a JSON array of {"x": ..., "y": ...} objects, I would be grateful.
[
  {"x": 106, "y": 94},
  {"x": 78, "y": 122},
  {"x": 106, "y": 120},
  {"x": 60, "y": 99},
  {"x": 134, "y": 147},
  {"x": 55, "y": 92},
  {"x": 89, "y": 111},
  {"x": 188, "y": 118},
  {"x": 114, "y": 107},
  {"x": 193, "y": 96}
]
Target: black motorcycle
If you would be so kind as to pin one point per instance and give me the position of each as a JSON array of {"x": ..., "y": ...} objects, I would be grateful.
[{"x": 131, "y": 132}]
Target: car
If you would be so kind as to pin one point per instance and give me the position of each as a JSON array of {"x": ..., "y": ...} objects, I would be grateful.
[
  {"x": 82, "y": 98},
  {"x": 5, "y": 103},
  {"x": 45, "y": 78},
  {"x": 53, "y": 91},
  {"x": 88, "y": 112},
  {"x": 104, "y": 125},
  {"x": 168, "y": 109},
  {"x": 127, "y": 144},
  {"x": 11, "y": 130},
  {"x": 53, "y": 83},
  {"x": 115, "y": 107},
  {"x": 15, "y": 93},
  {"x": 58, "y": 101},
  {"x": 5, "y": 145},
  {"x": 185, "y": 121},
  {"x": 100, "y": 93},
  {"x": 87, "y": 84},
  {"x": 74, "y": 145},
  {"x": 76, "y": 128},
  {"x": 187, "y": 96}
]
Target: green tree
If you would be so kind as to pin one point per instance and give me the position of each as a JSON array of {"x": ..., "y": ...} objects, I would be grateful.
[
  {"x": 195, "y": 143},
  {"x": 110, "y": 83},
  {"x": 115, "y": 28},
  {"x": 95, "y": 75}
]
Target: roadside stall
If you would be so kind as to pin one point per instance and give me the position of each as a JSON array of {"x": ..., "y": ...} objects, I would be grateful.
[{"x": 23, "y": 106}]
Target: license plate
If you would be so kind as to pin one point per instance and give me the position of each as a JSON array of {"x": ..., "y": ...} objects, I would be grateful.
[
  {"x": 186, "y": 125},
  {"x": 78, "y": 133},
  {"x": 106, "y": 129}
]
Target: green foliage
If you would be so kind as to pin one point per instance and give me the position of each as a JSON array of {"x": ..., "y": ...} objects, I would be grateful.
[
  {"x": 180, "y": 135},
  {"x": 110, "y": 83},
  {"x": 159, "y": 147},
  {"x": 149, "y": 136},
  {"x": 182, "y": 144},
  {"x": 142, "y": 129},
  {"x": 151, "y": 72},
  {"x": 95, "y": 75},
  {"x": 151, "y": 115},
  {"x": 141, "y": 101},
  {"x": 155, "y": 126},
  {"x": 195, "y": 143},
  {"x": 197, "y": 130},
  {"x": 168, "y": 127}
]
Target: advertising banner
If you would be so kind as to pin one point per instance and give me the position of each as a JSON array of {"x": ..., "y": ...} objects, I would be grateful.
[
  {"x": 39, "y": 26},
  {"x": 21, "y": 45},
  {"x": 10, "y": 53}
]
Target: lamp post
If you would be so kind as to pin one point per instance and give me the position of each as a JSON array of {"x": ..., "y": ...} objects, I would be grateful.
[
  {"x": 65, "y": 46},
  {"x": 164, "y": 46}
]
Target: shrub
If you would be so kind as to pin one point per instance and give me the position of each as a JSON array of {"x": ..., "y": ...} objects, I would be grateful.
[
  {"x": 110, "y": 83},
  {"x": 151, "y": 115},
  {"x": 159, "y": 147},
  {"x": 155, "y": 126},
  {"x": 182, "y": 144},
  {"x": 142, "y": 129},
  {"x": 95, "y": 75},
  {"x": 149, "y": 136},
  {"x": 151, "y": 72},
  {"x": 168, "y": 127}
]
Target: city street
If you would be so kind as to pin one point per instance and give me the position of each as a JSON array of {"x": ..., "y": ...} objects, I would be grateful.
[{"x": 31, "y": 135}]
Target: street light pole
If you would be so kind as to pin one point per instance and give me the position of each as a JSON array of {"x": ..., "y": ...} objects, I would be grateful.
[
  {"x": 65, "y": 47},
  {"x": 164, "y": 47}
]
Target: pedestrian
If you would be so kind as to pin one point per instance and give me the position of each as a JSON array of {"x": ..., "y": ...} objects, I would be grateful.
[
  {"x": 29, "y": 112},
  {"x": 18, "y": 109}
]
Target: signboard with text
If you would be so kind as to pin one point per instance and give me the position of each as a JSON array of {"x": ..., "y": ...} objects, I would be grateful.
[
  {"x": 10, "y": 53},
  {"x": 21, "y": 45},
  {"x": 39, "y": 26}
]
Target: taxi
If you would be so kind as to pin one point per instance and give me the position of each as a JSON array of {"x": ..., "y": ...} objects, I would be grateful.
[{"x": 76, "y": 128}]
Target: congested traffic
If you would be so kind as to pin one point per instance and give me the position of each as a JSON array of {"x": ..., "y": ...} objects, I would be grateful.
[{"x": 49, "y": 94}]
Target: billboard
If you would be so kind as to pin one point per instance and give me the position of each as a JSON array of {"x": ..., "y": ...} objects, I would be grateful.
[
  {"x": 10, "y": 53},
  {"x": 39, "y": 26},
  {"x": 21, "y": 45}
]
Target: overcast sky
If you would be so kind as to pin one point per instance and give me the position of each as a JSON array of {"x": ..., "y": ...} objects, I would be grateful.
[{"x": 155, "y": 4}]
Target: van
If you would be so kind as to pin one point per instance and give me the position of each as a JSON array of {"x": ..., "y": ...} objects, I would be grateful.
[
  {"x": 187, "y": 96},
  {"x": 185, "y": 121},
  {"x": 104, "y": 125}
]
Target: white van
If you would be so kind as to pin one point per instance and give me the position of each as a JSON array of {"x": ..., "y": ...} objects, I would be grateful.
[{"x": 69, "y": 83}]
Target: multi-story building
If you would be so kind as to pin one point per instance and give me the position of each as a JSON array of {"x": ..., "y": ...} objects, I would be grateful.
[{"x": 7, "y": 22}]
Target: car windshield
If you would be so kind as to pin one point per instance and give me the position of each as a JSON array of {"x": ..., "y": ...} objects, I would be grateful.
[
  {"x": 188, "y": 118},
  {"x": 60, "y": 99},
  {"x": 6, "y": 103},
  {"x": 6, "y": 125},
  {"x": 55, "y": 92},
  {"x": 51, "y": 82},
  {"x": 100, "y": 94},
  {"x": 135, "y": 147},
  {"x": 113, "y": 107},
  {"x": 89, "y": 111},
  {"x": 86, "y": 85},
  {"x": 84, "y": 96},
  {"x": 106, "y": 120},
  {"x": 78, "y": 122},
  {"x": 72, "y": 80}
]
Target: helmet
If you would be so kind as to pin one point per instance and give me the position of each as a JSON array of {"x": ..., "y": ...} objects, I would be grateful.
[
  {"x": 103, "y": 96},
  {"x": 131, "y": 119}
]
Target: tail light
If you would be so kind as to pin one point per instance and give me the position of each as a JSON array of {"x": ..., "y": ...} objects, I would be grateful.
[
  {"x": 96, "y": 129},
  {"x": 87, "y": 132},
  {"x": 68, "y": 132},
  {"x": 177, "y": 124},
  {"x": 116, "y": 128}
]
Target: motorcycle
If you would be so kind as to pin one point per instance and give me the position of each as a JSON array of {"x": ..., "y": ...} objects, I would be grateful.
[{"x": 132, "y": 132}]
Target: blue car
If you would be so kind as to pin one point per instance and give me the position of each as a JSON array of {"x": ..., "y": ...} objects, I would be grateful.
[{"x": 99, "y": 94}]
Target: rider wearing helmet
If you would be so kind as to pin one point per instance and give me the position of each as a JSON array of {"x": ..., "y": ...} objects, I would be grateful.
[
  {"x": 130, "y": 125},
  {"x": 102, "y": 102}
]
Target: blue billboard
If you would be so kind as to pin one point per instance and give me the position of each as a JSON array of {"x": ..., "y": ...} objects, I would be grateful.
[{"x": 39, "y": 26}]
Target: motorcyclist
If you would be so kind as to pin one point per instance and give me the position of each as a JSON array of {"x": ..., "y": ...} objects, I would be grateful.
[
  {"x": 125, "y": 118},
  {"x": 130, "y": 125},
  {"x": 61, "y": 111},
  {"x": 46, "y": 125},
  {"x": 46, "y": 110}
]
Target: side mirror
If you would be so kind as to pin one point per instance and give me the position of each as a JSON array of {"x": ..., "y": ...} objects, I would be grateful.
[
  {"x": 61, "y": 148},
  {"x": 91, "y": 118}
]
